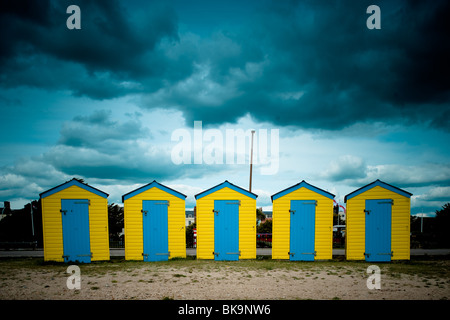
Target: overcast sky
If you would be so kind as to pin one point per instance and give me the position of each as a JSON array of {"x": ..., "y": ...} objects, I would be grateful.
[{"x": 350, "y": 105}]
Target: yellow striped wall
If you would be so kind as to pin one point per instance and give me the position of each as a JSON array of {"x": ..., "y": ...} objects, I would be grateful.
[
  {"x": 52, "y": 223},
  {"x": 205, "y": 223},
  {"x": 176, "y": 213},
  {"x": 400, "y": 225},
  {"x": 323, "y": 224}
]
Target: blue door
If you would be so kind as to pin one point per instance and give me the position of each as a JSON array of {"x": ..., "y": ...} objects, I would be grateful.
[
  {"x": 302, "y": 230},
  {"x": 378, "y": 230},
  {"x": 75, "y": 225},
  {"x": 155, "y": 230},
  {"x": 226, "y": 230}
]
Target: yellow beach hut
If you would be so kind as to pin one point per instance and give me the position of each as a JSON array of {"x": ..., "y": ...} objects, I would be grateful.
[
  {"x": 154, "y": 223},
  {"x": 302, "y": 223},
  {"x": 75, "y": 223},
  {"x": 226, "y": 223},
  {"x": 378, "y": 223}
]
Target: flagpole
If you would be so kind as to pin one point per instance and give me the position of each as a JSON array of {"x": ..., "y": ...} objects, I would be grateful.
[
  {"x": 421, "y": 222},
  {"x": 32, "y": 223},
  {"x": 251, "y": 163}
]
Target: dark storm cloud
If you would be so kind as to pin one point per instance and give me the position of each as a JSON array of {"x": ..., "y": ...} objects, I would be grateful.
[
  {"x": 96, "y": 146},
  {"x": 320, "y": 67},
  {"x": 98, "y": 131},
  {"x": 108, "y": 40},
  {"x": 128, "y": 162},
  {"x": 311, "y": 64},
  {"x": 354, "y": 171},
  {"x": 113, "y": 46},
  {"x": 346, "y": 168}
]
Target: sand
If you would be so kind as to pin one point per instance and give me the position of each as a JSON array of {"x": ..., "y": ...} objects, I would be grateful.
[{"x": 218, "y": 281}]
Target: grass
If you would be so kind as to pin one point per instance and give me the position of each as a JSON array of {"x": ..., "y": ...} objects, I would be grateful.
[
  {"x": 430, "y": 273},
  {"x": 431, "y": 269}
]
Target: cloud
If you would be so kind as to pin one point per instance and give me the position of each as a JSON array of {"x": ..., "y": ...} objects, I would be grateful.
[
  {"x": 189, "y": 190},
  {"x": 97, "y": 146},
  {"x": 430, "y": 200},
  {"x": 126, "y": 159},
  {"x": 437, "y": 194},
  {"x": 109, "y": 38},
  {"x": 16, "y": 186},
  {"x": 104, "y": 150},
  {"x": 354, "y": 171},
  {"x": 264, "y": 197},
  {"x": 27, "y": 178},
  {"x": 437, "y": 174},
  {"x": 98, "y": 131},
  {"x": 346, "y": 167},
  {"x": 113, "y": 49},
  {"x": 307, "y": 64}
]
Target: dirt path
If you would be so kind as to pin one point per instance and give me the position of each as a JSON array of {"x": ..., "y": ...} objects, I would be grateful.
[{"x": 209, "y": 280}]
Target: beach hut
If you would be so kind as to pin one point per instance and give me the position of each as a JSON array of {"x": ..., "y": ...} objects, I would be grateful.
[
  {"x": 154, "y": 221},
  {"x": 302, "y": 223},
  {"x": 226, "y": 223},
  {"x": 75, "y": 223},
  {"x": 378, "y": 223}
]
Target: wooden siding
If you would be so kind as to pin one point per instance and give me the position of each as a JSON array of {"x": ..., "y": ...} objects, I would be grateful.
[
  {"x": 52, "y": 224},
  {"x": 133, "y": 224}
]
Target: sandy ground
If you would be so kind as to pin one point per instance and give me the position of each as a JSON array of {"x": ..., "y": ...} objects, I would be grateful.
[{"x": 217, "y": 281}]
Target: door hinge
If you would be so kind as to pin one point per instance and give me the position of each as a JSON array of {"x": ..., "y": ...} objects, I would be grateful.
[
  {"x": 63, "y": 211},
  {"x": 163, "y": 254},
  {"x": 216, "y": 212},
  {"x": 215, "y": 253},
  {"x": 313, "y": 253},
  {"x": 144, "y": 212},
  {"x": 292, "y": 211},
  {"x": 238, "y": 253},
  {"x": 386, "y": 254},
  {"x": 368, "y": 211}
]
